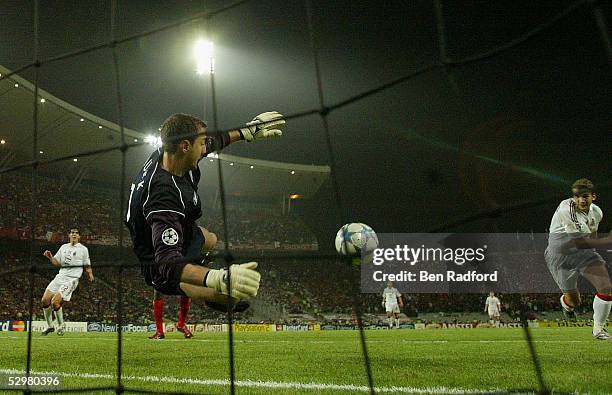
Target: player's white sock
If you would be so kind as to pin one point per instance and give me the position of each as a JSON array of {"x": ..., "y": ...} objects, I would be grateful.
[
  {"x": 390, "y": 322},
  {"x": 601, "y": 311},
  {"x": 397, "y": 322},
  {"x": 60, "y": 316},
  {"x": 48, "y": 316}
]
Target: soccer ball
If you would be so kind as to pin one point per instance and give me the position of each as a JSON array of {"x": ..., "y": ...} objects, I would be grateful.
[{"x": 354, "y": 238}]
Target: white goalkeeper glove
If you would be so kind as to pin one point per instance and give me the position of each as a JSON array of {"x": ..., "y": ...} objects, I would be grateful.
[
  {"x": 244, "y": 278},
  {"x": 263, "y": 126}
]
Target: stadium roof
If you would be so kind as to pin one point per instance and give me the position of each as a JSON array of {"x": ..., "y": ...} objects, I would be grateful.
[{"x": 64, "y": 131}]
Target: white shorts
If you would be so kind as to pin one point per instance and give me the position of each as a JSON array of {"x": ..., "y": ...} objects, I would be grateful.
[
  {"x": 392, "y": 308},
  {"x": 64, "y": 285},
  {"x": 493, "y": 313},
  {"x": 566, "y": 269}
]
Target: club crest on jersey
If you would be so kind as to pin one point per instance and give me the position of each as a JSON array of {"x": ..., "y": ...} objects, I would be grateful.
[{"x": 169, "y": 237}]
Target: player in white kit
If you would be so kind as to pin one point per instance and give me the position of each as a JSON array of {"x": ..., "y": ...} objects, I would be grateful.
[
  {"x": 570, "y": 253},
  {"x": 392, "y": 302},
  {"x": 71, "y": 258},
  {"x": 493, "y": 308}
]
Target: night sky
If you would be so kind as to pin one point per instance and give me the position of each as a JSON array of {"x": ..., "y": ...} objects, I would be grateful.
[{"x": 516, "y": 127}]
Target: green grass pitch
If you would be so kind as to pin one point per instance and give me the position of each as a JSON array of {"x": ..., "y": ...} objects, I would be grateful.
[{"x": 403, "y": 361}]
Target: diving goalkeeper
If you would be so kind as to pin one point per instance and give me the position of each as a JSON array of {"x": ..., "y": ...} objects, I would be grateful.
[{"x": 164, "y": 205}]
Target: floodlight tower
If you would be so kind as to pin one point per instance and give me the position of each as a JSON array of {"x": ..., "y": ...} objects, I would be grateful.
[
  {"x": 203, "y": 52},
  {"x": 206, "y": 65}
]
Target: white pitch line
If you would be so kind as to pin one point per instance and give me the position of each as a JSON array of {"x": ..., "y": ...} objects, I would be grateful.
[
  {"x": 493, "y": 341},
  {"x": 269, "y": 384},
  {"x": 124, "y": 338}
]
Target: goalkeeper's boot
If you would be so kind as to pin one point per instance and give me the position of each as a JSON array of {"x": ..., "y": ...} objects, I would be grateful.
[
  {"x": 47, "y": 331},
  {"x": 185, "y": 331},
  {"x": 239, "y": 307},
  {"x": 602, "y": 334},
  {"x": 157, "y": 336}
]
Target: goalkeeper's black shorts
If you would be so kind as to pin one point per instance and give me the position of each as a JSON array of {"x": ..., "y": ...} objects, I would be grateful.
[{"x": 165, "y": 277}]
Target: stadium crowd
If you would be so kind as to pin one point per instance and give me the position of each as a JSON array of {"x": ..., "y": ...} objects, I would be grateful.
[
  {"x": 95, "y": 211},
  {"x": 315, "y": 288}
]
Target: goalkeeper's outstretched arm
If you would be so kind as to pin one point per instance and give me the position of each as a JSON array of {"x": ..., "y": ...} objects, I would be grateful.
[{"x": 264, "y": 126}]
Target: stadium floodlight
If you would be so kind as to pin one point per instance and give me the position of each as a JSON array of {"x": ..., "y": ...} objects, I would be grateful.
[
  {"x": 155, "y": 141},
  {"x": 3, "y": 142},
  {"x": 203, "y": 53}
]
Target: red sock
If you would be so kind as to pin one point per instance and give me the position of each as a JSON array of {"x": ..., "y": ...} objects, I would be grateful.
[
  {"x": 605, "y": 297},
  {"x": 158, "y": 314},
  {"x": 183, "y": 310}
]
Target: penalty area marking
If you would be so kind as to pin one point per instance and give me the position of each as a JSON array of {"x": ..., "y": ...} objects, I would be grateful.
[{"x": 269, "y": 384}]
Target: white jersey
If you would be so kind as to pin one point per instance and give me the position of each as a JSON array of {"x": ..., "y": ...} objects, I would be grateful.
[
  {"x": 492, "y": 304},
  {"x": 390, "y": 296},
  {"x": 569, "y": 223},
  {"x": 71, "y": 257}
]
